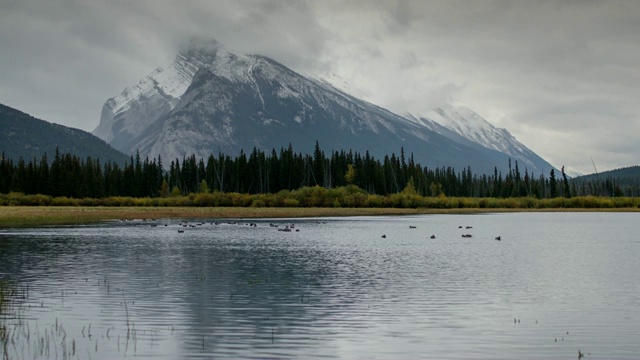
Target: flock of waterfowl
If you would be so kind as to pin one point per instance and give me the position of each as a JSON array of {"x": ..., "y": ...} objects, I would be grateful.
[
  {"x": 279, "y": 227},
  {"x": 467, "y": 235},
  {"x": 290, "y": 227}
]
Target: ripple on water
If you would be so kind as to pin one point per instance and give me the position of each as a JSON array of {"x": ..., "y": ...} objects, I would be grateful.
[{"x": 333, "y": 290}]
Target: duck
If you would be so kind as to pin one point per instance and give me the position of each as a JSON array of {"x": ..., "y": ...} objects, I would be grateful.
[
  {"x": 384, "y": 236},
  {"x": 498, "y": 238},
  {"x": 433, "y": 236}
]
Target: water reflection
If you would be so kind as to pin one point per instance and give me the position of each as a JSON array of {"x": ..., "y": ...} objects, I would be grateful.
[{"x": 333, "y": 289}]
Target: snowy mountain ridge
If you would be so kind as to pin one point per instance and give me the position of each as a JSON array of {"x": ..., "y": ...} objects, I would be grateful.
[
  {"x": 467, "y": 123},
  {"x": 166, "y": 85},
  {"x": 209, "y": 101}
]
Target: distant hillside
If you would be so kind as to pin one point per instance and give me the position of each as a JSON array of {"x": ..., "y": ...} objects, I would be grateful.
[
  {"x": 624, "y": 176},
  {"x": 22, "y": 135},
  {"x": 624, "y": 181}
]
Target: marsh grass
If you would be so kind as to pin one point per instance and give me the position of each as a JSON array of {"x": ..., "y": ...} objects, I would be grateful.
[
  {"x": 27, "y": 216},
  {"x": 21, "y": 210},
  {"x": 7, "y": 294},
  {"x": 22, "y": 337},
  {"x": 4, "y": 294}
]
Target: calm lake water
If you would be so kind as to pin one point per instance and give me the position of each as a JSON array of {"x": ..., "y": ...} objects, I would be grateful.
[{"x": 556, "y": 283}]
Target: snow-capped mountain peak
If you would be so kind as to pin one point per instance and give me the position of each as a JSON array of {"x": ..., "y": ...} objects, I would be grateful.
[
  {"x": 209, "y": 100},
  {"x": 160, "y": 90}
]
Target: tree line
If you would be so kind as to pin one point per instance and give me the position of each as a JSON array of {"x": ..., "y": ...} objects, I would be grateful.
[{"x": 260, "y": 172}]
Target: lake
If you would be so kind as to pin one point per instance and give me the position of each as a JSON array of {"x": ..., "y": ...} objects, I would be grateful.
[{"x": 555, "y": 284}]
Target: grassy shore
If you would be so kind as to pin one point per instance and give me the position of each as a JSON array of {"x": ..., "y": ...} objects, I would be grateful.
[
  {"x": 32, "y": 216},
  {"x": 27, "y": 216}
]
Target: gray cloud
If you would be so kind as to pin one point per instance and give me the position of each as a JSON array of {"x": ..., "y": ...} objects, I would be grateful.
[{"x": 561, "y": 76}]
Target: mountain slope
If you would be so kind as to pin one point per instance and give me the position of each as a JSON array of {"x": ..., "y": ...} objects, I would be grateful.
[
  {"x": 627, "y": 176},
  {"x": 22, "y": 135},
  {"x": 236, "y": 102},
  {"x": 449, "y": 121},
  {"x": 618, "y": 182}
]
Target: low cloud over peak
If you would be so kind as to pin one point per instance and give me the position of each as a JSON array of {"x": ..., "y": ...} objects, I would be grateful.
[{"x": 553, "y": 73}]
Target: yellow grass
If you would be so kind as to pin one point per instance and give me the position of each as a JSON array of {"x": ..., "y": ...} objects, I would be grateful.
[
  {"x": 27, "y": 216},
  {"x": 24, "y": 216}
]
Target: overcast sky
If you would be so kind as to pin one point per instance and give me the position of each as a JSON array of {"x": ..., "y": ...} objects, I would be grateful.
[{"x": 562, "y": 76}]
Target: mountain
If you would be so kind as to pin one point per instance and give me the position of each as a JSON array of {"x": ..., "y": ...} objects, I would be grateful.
[
  {"x": 139, "y": 106},
  {"x": 209, "y": 100},
  {"x": 453, "y": 122},
  {"x": 22, "y": 135}
]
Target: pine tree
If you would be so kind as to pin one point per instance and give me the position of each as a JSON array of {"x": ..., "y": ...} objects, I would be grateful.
[
  {"x": 553, "y": 186},
  {"x": 318, "y": 165},
  {"x": 565, "y": 184}
]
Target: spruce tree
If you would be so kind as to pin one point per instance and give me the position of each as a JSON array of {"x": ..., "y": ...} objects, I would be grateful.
[
  {"x": 565, "y": 184},
  {"x": 553, "y": 185}
]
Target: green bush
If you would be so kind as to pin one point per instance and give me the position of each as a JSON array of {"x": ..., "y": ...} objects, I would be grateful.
[
  {"x": 258, "y": 203},
  {"x": 204, "y": 199},
  {"x": 64, "y": 201},
  {"x": 373, "y": 201},
  {"x": 470, "y": 203},
  {"x": 290, "y": 203}
]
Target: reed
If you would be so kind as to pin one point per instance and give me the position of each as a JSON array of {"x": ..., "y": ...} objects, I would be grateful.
[{"x": 5, "y": 293}]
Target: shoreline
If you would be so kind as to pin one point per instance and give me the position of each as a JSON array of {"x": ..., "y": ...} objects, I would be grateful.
[{"x": 38, "y": 216}]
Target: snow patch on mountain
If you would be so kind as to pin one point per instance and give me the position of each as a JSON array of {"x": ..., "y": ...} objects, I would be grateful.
[{"x": 332, "y": 80}]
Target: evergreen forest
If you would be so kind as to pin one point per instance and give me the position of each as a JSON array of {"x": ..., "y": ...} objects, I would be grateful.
[{"x": 259, "y": 173}]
